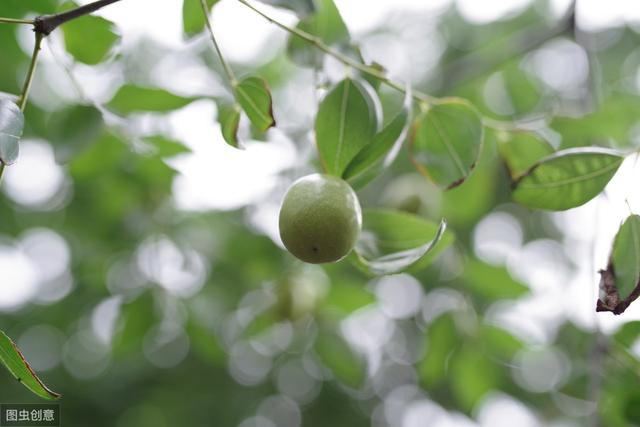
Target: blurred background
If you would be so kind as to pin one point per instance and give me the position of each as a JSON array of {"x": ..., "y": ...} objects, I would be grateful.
[{"x": 141, "y": 270}]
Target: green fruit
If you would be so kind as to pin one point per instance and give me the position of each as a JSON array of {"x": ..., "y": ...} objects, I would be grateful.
[{"x": 320, "y": 219}]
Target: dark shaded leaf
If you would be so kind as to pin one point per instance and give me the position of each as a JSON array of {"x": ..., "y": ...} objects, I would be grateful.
[
  {"x": 254, "y": 97},
  {"x": 447, "y": 141},
  {"x": 229, "y": 118},
  {"x": 73, "y": 129}
]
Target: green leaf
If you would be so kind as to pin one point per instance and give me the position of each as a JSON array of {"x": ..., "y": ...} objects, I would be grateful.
[
  {"x": 193, "y": 21},
  {"x": 472, "y": 375},
  {"x": 166, "y": 147},
  {"x": 626, "y": 256},
  {"x": 89, "y": 49},
  {"x": 491, "y": 282},
  {"x": 12, "y": 358},
  {"x": 381, "y": 152},
  {"x": 392, "y": 241},
  {"x": 345, "y": 123},
  {"x": 442, "y": 341},
  {"x": 132, "y": 99},
  {"x": 334, "y": 353},
  {"x": 628, "y": 334},
  {"x": 254, "y": 97},
  {"x": 229, "y": 118},
  {"x": 567, "y": 179},
  {"x": 326, "y": 24},
  {"x": 447, "y": 141},
  {"x": 11, "y": 127},
  {"x": 72, "y": 129},
  {"x": 520, "y": 150},
  {"x": 611, "y": 124}
]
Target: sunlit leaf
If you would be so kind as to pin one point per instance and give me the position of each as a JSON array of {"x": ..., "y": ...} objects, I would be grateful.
[
  {"x": 567, "y": 179},
  {"x": 345, "y": 123},
  {"x": 382, "y": 150},
  {"x": 254, "y": 97},
  {"x": 193, "y": 20},
  {"x": 441, "y": 341},
  {"x": 72, "y": 129},
  {"x": 326, "y": 24},
  {"x": 446, "y": 142},
  {"x": 520, "y": 150},
  {"x": 393, "y": 241},
  {"x": 167, "y": 147},
  {"x": 491, "y": 282},
  {"x": 90, "y": 50},
  {"x": 301, "y": 7},
  {"x": 229, "y": 118},
  {"x": 14, "y": 361},
  {"x": 132, "y": 99},
  {"x": 11, "y": 127}
]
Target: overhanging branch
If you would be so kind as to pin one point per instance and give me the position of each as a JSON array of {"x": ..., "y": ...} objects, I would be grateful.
[{"x": 46, "y": 24}]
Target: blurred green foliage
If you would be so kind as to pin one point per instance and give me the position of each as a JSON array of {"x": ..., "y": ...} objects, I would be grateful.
[{"x": 263, "y": 334}]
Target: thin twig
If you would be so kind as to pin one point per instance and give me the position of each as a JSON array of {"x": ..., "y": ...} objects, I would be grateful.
[
  {"x": 16, "y": 21},
  {"x": 32, "y": 68},
  {"x": 225, "y": 65},
  {"x": 320, "y": 44}
]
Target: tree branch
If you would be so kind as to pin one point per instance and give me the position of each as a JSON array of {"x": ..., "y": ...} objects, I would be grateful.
[
  {"x": 476, "y": 64},
  {"x": 46, "y": 24},
  {"x": 321, "y": 45},
  {"x": 225, "y": 64}
]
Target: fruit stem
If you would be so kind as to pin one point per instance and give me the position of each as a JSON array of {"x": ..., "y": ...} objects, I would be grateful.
[
  {"x": 225, "y": 64},
  {"x": 321, "y": 45}
]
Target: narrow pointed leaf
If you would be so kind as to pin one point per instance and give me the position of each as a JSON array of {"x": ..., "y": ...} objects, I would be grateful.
[
  {"x": 521, "y": 150},
  {"x": 345, "y": 123},
  {"x": 393, "y": 241},
  {"x": 193, "y": 20},
  {"x": 132, "y": 99},
  {"x": 229, "y": 118},
  {"x": 254, "y": 97},
  {"x": 11, "y": 127},
  {"x": 14, "y": 361},
  {"x": 626, "y": 256},
  {"x": 381, "y": 152},
  {"x": 336, "y": 354},
  {"x": 567, "y": 179},
  {"x": 446, "y": 142}
]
